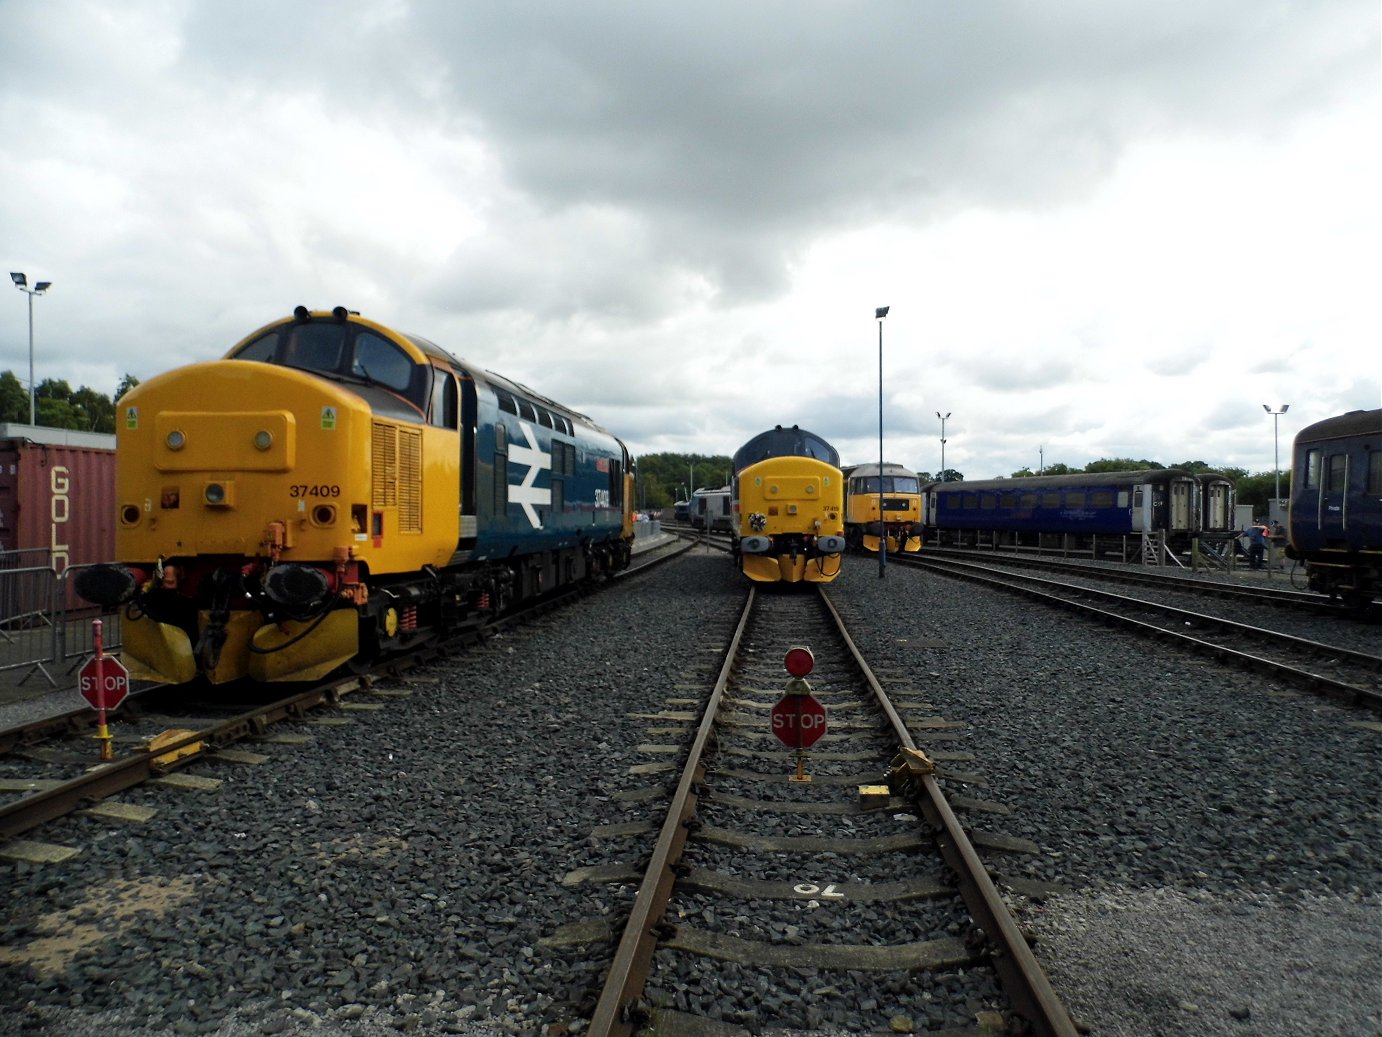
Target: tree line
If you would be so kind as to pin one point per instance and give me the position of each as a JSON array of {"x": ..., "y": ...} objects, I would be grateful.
[
  {"x": 58, "y": 405},
  {"x": 666, "y": 478}
]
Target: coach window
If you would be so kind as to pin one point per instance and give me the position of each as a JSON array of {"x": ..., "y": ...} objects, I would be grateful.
[
  {"x": 1007, "y": 501},
  {"x": 1312, "y": 469},
  {"x": 1074, "y": 499},
  {"x": 1050, "y": 499},
  {"x": 1029, "y": 500},
  {"x": 988, "y": 501},
  {"x": 1375, "y": 472},
  {"x": 1101, "y": 499},
  {"x": 971, "y": 501},
  {"x": 1338, "y": 473}
]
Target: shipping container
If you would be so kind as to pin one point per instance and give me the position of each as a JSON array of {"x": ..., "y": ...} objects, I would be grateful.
[{"x": 57, "y": 497}]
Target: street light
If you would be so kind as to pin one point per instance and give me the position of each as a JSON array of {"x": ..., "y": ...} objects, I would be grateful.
[
  {"x": 942, "y": 417},
  {"x": 1276, "y": 455},
  {"x": 22, "y": 283},
  {"x": 879, "y": 314}
]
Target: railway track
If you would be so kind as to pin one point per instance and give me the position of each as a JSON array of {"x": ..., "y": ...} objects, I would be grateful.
[
  {"x": 760, "y": 901},
  {"x": 1283, "y": 595},
  {"x": 1348, "y": 675},
  {"x": 51, "y": 768}
]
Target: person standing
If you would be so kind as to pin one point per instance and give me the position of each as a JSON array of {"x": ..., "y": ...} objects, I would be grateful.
[{"x": 1257, "y": 544}]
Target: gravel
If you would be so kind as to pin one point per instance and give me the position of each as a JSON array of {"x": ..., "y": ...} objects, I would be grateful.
[
  {"x": 1216, "y": 836},
  {"x": 1215, "y": 839}
]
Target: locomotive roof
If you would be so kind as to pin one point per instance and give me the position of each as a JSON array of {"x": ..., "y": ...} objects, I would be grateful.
[
  {"x": 785, "y": 442},
  {"x": 427, "y": 350},
  {"x": 1030, "y": 482},
  {"x": 1354, "y": 423},
  {"x": 871, "y": 468}
]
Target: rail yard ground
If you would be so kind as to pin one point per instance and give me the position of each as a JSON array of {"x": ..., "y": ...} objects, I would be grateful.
[{"x": 1215, "y": 838}]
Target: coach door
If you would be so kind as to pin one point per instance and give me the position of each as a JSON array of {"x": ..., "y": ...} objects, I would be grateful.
[
  {"x": 1333, "y": 516},
  {"x": 1141, "y": 509},
  {"x": 1182, "y": 505}
]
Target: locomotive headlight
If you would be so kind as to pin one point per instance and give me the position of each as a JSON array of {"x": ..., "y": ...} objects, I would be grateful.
[
  {"x": 263, "y": 439},
  {"x": 176, "y": 440},
  {"x": 219, "y": 494}
]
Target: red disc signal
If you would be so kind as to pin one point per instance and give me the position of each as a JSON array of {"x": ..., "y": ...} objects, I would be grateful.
[
  {"x": 103, "y": 682},
  {"x": 798, "y": 720},
  {"x": 799, "y": 661}
]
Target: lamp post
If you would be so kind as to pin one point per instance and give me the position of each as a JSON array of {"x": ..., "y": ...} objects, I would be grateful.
[
  {"x": 1276, "y": 455},
  {"x": 22, "y": 283},
  {"x": 879, "y": 314},
  {"x": 942, "y": 417}
]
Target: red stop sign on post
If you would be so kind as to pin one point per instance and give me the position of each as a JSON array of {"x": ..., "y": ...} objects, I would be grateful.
[
  {"x": 798, "y": 720},
  {"x": 104, "y": 682}
]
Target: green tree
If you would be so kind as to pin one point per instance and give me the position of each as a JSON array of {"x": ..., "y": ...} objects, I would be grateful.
[
  {"x": 56, "y": 405},
  {"x": 665, "y": 477},
  {"x": 126, "y": 384},
  {"x": 96, "y": 411},
  {"x": 1257, "y": 490},
  {"x": 1121, "y": 464},
  {"x": 14, "y": 399}
]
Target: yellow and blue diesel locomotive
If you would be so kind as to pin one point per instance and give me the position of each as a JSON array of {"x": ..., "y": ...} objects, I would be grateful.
[
  {"x": 895, "y": 495},
  {"x": 788, "y": 508},
  {"x": 1335, "y": 522},
  {"x": 332, "y": 490}
]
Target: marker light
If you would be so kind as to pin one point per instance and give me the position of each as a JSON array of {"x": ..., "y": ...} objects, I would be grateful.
[
  {"x": 176, "y": 440},
  {"x": 263, "y": 439},
  {"x": 799, "y": 661}
]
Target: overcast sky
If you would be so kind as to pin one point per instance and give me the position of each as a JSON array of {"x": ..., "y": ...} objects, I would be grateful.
[{"x": 1105, "y": 228}]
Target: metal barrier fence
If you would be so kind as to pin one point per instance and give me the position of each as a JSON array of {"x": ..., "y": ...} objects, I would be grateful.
[{"x": 45, "y": 629}]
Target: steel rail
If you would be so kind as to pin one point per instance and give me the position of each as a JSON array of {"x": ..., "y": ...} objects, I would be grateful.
[
  {"x": 1024, "y": 980},
  {"x": 1349, "y": 693},
  {"x": 633, "y": 957},
  {"x": 1291, "y": 597},
  {"x": 45, "y": 805}
]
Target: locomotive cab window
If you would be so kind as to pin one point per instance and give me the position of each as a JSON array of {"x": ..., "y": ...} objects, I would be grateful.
[
  {"x": 444, "y": 400},
  {"x": 377, "y": 360},
  {"x": 343, "y": 351}
]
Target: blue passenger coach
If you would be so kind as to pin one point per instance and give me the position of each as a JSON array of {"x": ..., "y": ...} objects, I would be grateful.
[
  {"x": 1335, "y": 523},
  {"x": 1019, "y": 512}
]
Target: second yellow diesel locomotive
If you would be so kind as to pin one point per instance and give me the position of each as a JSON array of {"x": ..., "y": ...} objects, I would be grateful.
[
  {"x": 896, "y": 496},
  {"x": 788, "y": 508}
]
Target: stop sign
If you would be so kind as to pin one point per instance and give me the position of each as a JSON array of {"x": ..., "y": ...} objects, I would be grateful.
[
  {"x": 104, "y": 682},
  {"x": 798, "y": 720}
]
